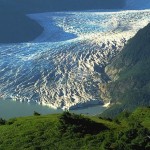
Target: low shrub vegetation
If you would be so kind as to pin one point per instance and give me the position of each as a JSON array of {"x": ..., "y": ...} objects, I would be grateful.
[{"x": 70, "y": 131}]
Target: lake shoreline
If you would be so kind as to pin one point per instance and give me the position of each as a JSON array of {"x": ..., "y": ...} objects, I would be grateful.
[{"x": 11, "y": 109}]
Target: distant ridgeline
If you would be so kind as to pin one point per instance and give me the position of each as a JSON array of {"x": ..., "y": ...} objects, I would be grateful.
[
  {"x": 16, "y": 27},
  {"x": 130, "y": 75}
]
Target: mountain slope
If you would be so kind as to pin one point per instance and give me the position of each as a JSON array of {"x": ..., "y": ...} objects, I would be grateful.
[
  {"x": 34, "y": 6},
  {"x": 137, "y": 4},
  {"x": 16, "y": 27},
  {"x": 130, "y": 74},
  {"x": 70, "y": 132}
]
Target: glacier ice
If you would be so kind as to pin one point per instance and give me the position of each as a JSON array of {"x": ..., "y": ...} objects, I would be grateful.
[{"x": 64, "y": 67}]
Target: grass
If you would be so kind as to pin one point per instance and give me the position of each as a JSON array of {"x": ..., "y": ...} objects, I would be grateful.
[
  {"x": 45, "y": 131},
  {"x": 141, "y": 113},
  {"x": 27, "y": 132}
]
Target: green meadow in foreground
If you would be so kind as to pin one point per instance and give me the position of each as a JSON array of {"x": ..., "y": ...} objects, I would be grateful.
[{"x": 128, "y": 131}]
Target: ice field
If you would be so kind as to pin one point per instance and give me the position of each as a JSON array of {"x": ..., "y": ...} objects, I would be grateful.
[{"x": 65, "y": 65}]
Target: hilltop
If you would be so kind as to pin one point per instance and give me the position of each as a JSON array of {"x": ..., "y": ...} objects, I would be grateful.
[{"x": 70, "y": 132}]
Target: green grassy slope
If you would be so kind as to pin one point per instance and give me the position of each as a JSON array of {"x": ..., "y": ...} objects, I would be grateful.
[
  {"x": 130, "y": 73},
  {"x": 72, "y": 132}
]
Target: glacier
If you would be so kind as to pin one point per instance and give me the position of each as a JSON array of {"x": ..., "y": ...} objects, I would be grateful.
[{"x": 64, "y": 66}]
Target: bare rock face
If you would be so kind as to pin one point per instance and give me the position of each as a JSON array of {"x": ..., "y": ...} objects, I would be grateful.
[{"x": 67, "y": 73}]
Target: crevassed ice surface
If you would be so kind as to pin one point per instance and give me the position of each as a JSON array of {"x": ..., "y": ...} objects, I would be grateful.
[{"x": 64, "y": 67}]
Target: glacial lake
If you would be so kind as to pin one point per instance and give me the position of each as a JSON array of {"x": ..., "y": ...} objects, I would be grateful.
[{"x": 11, "y": 109}]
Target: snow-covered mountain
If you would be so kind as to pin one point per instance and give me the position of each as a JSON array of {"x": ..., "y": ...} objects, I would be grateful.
[{"x": 137, "y": 4}]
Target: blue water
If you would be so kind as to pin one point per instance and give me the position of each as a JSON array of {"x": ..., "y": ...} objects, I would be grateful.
[
  {"x": 24, "y": 64},
  {"x": 11, "y": 109}
]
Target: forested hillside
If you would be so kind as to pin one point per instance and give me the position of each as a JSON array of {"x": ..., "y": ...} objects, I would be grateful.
[{"x": 130, "y": 75}]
